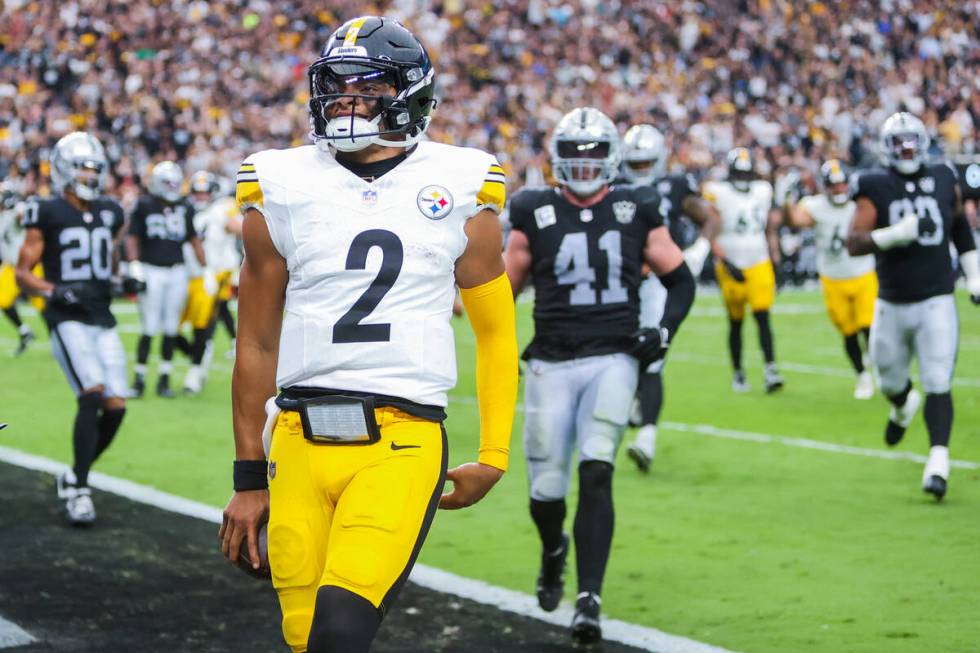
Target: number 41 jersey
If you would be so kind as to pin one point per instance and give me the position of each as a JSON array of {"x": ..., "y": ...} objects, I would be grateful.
[
  {"x": 586, "y": 266},
  {"x": 371, "y": 265}
]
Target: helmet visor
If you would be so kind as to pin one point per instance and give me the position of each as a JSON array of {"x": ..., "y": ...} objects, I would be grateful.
[{"x": 583, "y": 149}]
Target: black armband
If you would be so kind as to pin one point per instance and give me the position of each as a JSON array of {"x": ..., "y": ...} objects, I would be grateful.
[
  {"x": 250, "y": 475},
  {"x": 680, "y": 286}
]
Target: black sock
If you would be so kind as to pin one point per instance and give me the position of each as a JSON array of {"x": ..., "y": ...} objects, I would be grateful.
[
  {"x": 86, "y": 434},
  {"x": 594, "y": 521},
  {"x": 867, "y": 337},
  {"x": 899, "y": 400},
  {"x": 109, "y": 422},
  {"x": 765, "y": 336},
  {"x": 12, "y": 315},
  {"x": 549, "y": 517},
  {"x": 143, "y": 350},
  {"x": 184, "y": 345},
  {"x": 651, "y": 395},
  {"x": 168, "y": 347},
  {"x": 735, "y": 343},
  {"x": 343, "y": 622},
  {"x": 227, "y": 319},
  {"x": 938, "y": 414},
  {"x": 201, "y": 337},
  {"x": 853, "y": 349}
]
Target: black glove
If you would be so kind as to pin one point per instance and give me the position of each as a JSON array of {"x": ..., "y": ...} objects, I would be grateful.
[
  {"x": 734, "y": 271},
  {"x": 65, "y": 296},
  {"x": 650, "y": 345},
  {"x": 133, "y": 286}
]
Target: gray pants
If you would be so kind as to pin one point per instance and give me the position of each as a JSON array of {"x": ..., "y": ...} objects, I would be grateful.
[
  {"x": 585, "y": 401},
  {"x": 162, "y": 303},
  {"x": 928, "y": 330},
  {"x": 90, "y": 356}
]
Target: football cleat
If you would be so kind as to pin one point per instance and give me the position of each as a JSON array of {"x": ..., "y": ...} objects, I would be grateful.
[
  {"x": 585, "y": 623},
  {"x": 936, "y": 472},
  {"x": 139, "y": 386},
  {"x": 79, "y": 508},
  {"x": 64, "y": 483},
  {"x": 163, "y": 389},
  {"x": 642, "y": 449},
  {"x": 900, "y": 418},
  {"x": 26, "y": 338},
  {"x": 551, "y": 586},
  {"x": 193, "y": 382},
  {"x": 739, "y": 382},
  {"x": 774, "y": 380},
  {"x": 865, "y": 388}
]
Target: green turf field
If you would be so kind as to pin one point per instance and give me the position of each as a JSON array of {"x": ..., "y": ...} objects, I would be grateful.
[{"x": 747, "y": 542}]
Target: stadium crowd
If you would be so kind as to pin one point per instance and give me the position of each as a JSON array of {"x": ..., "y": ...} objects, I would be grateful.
[{"x": 204, "y": 83}]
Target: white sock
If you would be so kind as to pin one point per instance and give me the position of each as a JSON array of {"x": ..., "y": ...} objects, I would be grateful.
[
  {"x": 140, "y": 368},
  {"x": 938, "y": 464},
  {"x": 165, "y": 367},
  {"x": 23, "y": 329},
  {"x": 646, "y": 438}
]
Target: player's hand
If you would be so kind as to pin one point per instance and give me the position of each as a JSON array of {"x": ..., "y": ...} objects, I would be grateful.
[
  {"x": 650, "y": 345},
  {"x": 734, "y": 271},
  {"x": 133, "y": 286},
  {"x": 471, "y": 482},
  {"x": 134, "y": 270},
  {"x": 65, "y": 296},
  {"x": 245, "y": 512}
]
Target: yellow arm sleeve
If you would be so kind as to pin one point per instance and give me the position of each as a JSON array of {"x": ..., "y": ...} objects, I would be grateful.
[{"x": 490, "y": 307}]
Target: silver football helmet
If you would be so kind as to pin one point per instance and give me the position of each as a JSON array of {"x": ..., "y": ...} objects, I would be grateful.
[
  {"x": 585, "y": 151},
  {"x": 644, "y": 154},
  {"x": 79, "y": 164},
  {"x": 904, "y": 143},
  {"x": 165, "y": 181}
]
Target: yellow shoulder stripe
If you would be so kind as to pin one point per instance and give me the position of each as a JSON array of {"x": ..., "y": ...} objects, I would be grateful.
[{"x": 493, "y": 192}]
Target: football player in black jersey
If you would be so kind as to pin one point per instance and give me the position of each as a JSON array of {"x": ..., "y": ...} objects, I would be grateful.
[
  {"x": 160, "y": 224},
  {"x": 74, "y": 236},
  {"x": 907, "y": 215},
  {"x": 693, "y": 224},
  {"x": 584, "y": 245}
]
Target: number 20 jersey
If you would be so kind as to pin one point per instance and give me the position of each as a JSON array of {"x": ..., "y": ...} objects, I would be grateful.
[
  {"x": 371, "y": 265},
  {"x": 924, "y": 268},
  {"x": 586, "y": 268}
]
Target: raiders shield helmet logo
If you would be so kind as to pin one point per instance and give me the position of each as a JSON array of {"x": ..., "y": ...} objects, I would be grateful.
[{"x": 624, "y": 211}]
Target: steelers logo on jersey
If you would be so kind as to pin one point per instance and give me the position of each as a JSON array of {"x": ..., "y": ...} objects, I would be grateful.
[{"x": 435, "y": 202}]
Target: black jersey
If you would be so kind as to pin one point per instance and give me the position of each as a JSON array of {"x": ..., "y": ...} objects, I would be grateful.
[
  {"x": 969, "y": 175},
  {"x": 586, "y": 268},
  {"x": 162, "y": 229},
  {"x": 673, "y": 190},
  {"x": 924, "y": 268},
  {"x": 78, "y": 251}
]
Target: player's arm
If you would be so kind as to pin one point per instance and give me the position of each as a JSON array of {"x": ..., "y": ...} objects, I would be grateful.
[
  {"x": 28, "y": 257},
  {"x": 706, "y": 216},
  {"x": 962, "y": 237},
  {"x": 517, "y": 260},
  {"x": 262, "y": 290},
  {"x": 797, "y": 215},
  {"x": 198, "y": 248},
  {"x": 774, "y": 221},
  {"x": 666, "y": 261},
  {"x": 487, "y": 295}
]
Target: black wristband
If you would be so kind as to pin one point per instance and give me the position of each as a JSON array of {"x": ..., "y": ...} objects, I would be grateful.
[{"x": 250, "y": 475}]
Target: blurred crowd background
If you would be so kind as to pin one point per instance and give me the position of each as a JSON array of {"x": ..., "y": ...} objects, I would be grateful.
[{"x": 207, "y": 82}]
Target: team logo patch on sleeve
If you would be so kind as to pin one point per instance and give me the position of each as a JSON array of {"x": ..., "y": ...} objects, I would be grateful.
[
  {"x": 435, "y": 202},
  {"x": 544, "y": 216}
]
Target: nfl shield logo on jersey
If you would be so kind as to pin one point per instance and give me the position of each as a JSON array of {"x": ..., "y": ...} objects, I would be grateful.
[
  {"x": 435, "y": 202},
  {"x": 624, "y": 211},
  {"x": 369, "y": 197}
]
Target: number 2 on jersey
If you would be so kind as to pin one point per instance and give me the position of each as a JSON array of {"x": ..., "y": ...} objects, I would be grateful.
[
  {"x": 348, "y": 328},
  {"x": 572, "y": 268}
]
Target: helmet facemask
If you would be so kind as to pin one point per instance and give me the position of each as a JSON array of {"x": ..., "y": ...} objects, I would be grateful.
[
  {"x": 835, "y": 182},
  {"x": 166, "y": 180},
  {"x": 583, "y": 166},
  {"x": 904, "y": 143},
  {"x": 79, "y": 164},
  {"x": 644, "y": 154},
  {"x": 380, "y": 115}
]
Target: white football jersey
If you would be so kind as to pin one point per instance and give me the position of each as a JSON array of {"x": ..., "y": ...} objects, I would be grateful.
[
  {"x": 11, "y": 237},
  {"x": 831, "y": 222},
  {"x": 744, "y": 216},
  {"x": 220, "y": 245},
  {"x": 371, "y": 265}
]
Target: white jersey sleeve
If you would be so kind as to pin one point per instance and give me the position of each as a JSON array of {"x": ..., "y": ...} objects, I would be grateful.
[
  {"x": 744, "y": 217},
  {"x": 830, "y": 225}
]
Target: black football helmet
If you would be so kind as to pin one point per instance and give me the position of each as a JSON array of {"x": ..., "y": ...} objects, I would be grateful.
[
  {"x": 833, "y": 174},
  {"x": 361, "y": 50}
]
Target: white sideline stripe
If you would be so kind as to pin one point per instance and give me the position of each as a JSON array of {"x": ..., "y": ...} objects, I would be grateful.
[
  {"x": 12, "y": 635},
  {"x": 806, "y": 443},
  {"x": 649, "y": 639}
]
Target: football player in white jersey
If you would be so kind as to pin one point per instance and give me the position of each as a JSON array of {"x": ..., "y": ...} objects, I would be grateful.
[
  {"x": 361, "y": 240},
  {"x": 745, "y": 271},
  {"x": 849, "y": 283},
  {"x": 11, "y": 238}
]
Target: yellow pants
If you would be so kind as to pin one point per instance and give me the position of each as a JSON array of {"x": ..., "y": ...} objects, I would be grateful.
[
  {"x": 9, "y": 290},
  {"x": 758, "y": 289},
  {"x": 851, "y": 302},
  {"x": 199, "y": 309},
  {"x": 351, "y": 516}
]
